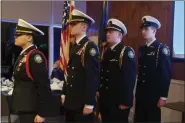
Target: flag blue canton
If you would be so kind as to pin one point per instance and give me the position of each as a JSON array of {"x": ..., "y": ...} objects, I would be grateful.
[{"x": 65, "y": 17}]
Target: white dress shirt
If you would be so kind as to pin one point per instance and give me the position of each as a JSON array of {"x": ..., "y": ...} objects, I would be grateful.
[
  {"x": 148, "y": 44},
  {"x": 78, "y": 40},
  {"x": 25, "y": 49},
  {"x": 113, "y": 46}
]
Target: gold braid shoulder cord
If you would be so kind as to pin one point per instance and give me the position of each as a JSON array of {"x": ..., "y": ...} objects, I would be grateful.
[
  {"x": 104, "y": 47},
  {"x": 157, "y": 59},
  {"x": 82, "y": 52},
  {"x": 158, "y": 54},
  {"x": 121, "y": 55}
]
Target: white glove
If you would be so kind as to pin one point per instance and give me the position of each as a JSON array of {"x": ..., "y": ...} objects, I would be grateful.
[
  {"x": 10, "y": 83},
  {"x": 55, "y": 86},
  {"x": 55, "y": 80},
  {"x": 61, "y": 84},
  {"x": 10, "y": 92}
]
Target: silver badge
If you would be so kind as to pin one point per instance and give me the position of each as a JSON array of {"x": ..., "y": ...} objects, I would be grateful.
[
  {"x": 38, "y": 59},
  {"x": 131, "y": 54},
  {"x": 92, "y": 52}
]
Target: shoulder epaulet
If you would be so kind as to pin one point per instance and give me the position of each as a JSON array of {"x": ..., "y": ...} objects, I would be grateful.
[
  {"x": 167, "y": 47},
  {"x": 122, "y": 53},
  {"x": 82, "y": 51},
  {"x": 121, "y": 56},
  {"x": 131, "y": 49}
]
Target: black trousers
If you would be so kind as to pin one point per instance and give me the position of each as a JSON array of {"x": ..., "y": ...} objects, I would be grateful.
[
  {"x": 73, "y": 116},
  {"x": 114, "y": 114},
  {"x": 147, "y": 113},
  {"x": 26, "y": 117}
]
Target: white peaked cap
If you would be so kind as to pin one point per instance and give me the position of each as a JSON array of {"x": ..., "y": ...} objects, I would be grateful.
[
  {"x": 76, "y": 14},
  {"x": 151, "y": 21},
  {"x": 27, "y": 25},
  {"x": 117, "y": 25}
]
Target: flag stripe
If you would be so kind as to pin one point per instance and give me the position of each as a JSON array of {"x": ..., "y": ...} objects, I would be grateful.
[{"x": 64, "y": 44}]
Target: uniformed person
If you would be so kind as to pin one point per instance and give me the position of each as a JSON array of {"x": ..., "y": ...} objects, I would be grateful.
[
  {"x": 83, "y": 72},
  {"x": 154, "y": 74},
  {"x": 118, "y": 75},
  {"x": 32, "y": 92}
]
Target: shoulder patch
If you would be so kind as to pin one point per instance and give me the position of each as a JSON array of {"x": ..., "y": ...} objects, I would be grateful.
[
  {"x": 131, "y": 54},
  {"x": 38, "y": 58},
  {"x": 92, "y": 51},
  {"x": 165, "y": 51}
]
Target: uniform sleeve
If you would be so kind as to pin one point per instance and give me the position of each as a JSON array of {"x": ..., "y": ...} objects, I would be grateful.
[
  {"x": 128, "y": 70},
  {"x": 165, "y": 71},
  {"x": 92, "y": 63},
  {"x": 64, "y": 88},
  {"x": 40, "y": 76}
]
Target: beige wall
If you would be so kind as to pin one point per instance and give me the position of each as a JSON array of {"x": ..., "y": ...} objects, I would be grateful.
[
  {"x": 32, "y": 11},
  {"x": 175, "y": 94},
  {"x": 36, "y": 11}
]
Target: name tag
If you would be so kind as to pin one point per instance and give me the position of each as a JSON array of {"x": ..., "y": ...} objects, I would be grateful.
[
  {"x": 151, "y": 54},
  {"x": 113, "y": 60}
]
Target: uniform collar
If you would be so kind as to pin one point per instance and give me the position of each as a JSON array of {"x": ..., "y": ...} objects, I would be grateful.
[
  {"x": 23, "y": 51},
  {"x": 112, "y": 47},
  {"x": 148, "y": 44},
  {"x": 78, "y": 41}
]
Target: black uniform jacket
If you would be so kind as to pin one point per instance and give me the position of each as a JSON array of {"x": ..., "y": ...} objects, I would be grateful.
[
  {"x": 117, "y": 79},
  {"x": 82, "y": 81},
  {"x": 31, "y": 95},
  {"x": 154, "y": 73}
]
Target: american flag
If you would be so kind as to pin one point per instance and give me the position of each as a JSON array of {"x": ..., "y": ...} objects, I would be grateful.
[{"x": 64, "y": 43}]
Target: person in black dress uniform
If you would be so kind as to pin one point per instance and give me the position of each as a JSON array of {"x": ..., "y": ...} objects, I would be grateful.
[
  {"x": 31, "y": 94},
  {"x": 118, "y": 75},
  {"x": 83, "y": 72},
  {"x": 154, "y": 74}
]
